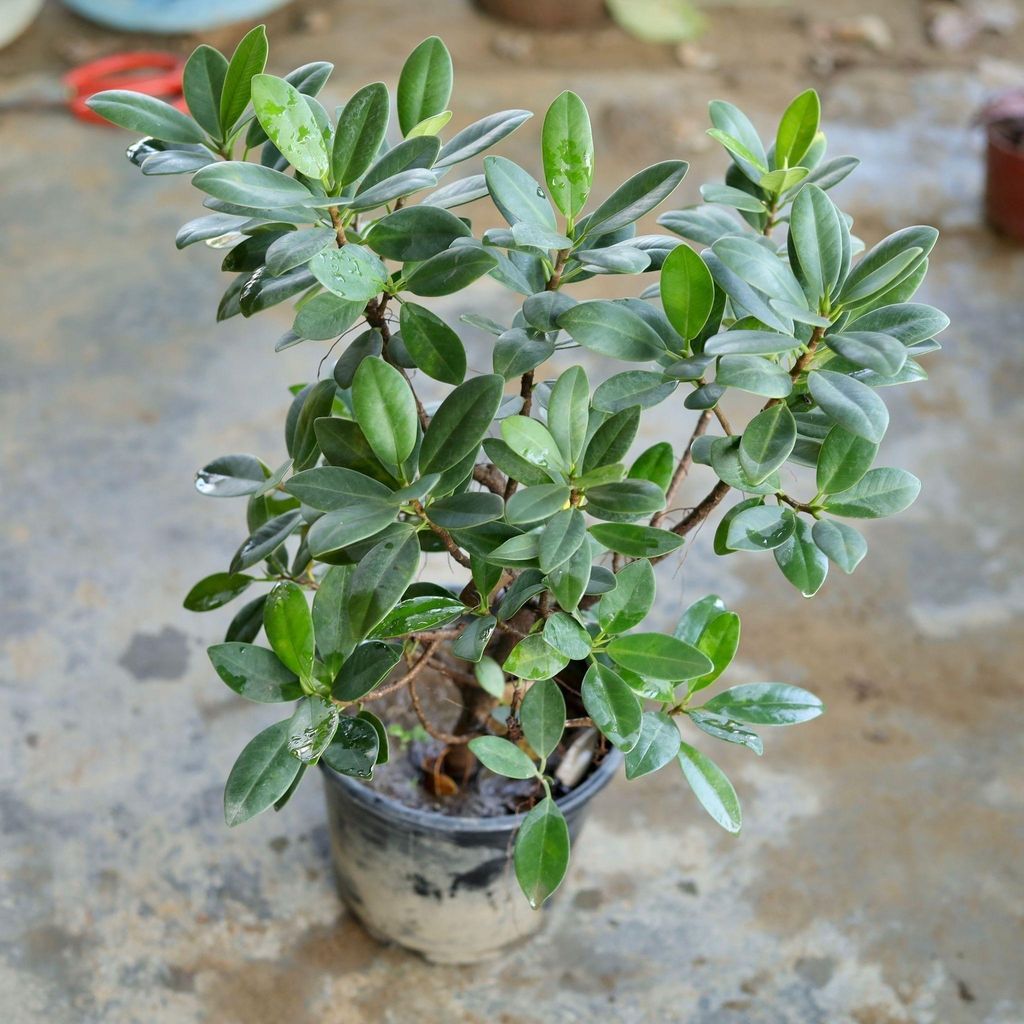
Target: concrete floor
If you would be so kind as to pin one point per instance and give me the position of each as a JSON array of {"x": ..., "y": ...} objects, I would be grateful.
[{"x": 878, "y": 879}]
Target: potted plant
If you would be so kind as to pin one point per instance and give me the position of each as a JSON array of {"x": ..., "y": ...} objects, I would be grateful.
[
  {"x": 523, "y": 478},
  {"x": 1003, "y": 119}
]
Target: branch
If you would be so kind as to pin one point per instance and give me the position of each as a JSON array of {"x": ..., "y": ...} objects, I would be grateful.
[
  {"x": 803, "y": 362},
  {"x": 486, "y": 473},
  {"x": 439, "y": 734},
  {"x": 453, "y": 549},
  {"x": 684, "y": 465},
  {"x": 417, "y": 667}
]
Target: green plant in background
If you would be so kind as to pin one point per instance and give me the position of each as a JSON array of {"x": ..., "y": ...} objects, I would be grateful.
[{"x": 533, "y": 493}]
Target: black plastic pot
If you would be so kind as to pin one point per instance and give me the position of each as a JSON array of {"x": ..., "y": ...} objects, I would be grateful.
[{"x": 439, "y": 885}]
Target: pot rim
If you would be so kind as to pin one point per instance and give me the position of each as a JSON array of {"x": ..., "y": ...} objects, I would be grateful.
[{"x": 438, "y": 822}]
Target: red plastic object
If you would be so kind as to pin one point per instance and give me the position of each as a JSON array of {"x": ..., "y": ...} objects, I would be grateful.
[{"x": 151, "y": 72}]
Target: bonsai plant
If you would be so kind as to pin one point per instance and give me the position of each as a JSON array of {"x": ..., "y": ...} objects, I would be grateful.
[{"x": 523, "y": 478}]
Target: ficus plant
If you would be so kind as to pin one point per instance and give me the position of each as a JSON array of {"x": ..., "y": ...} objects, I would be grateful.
[{"x": 526, "y": 476}]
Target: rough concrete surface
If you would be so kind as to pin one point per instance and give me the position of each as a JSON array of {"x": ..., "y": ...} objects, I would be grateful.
[{"x": 878, "y": 877}]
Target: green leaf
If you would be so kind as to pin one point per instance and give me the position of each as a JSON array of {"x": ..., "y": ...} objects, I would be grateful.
[
  {"x": 142, "y": 113},
  {"x": 416, "y": 154},
  {"x": 262, "y": 774},
  {"x": 633, "y": 597},
  {"x": 612, "y": 705},
  {"x": 541, "y": 855},
  {"x": 416, "y": 233},
  {"x": 637, "y": 196},
  {"x": 870, "y": 350},
  {"x": 231, "y": 476},
  {"x": 326, "y": 316},
  {"x": 656, "y": 464},
  {"x": 295, "y": 248},
  {"x": 368, "y": 666},
  {"x": 287, "y": 119},
  {"x": 766, "y": 704},
  {"x": 332, "y": 533},
  {"x": 466, "y": 510},
  {"x": 625, "y": 499},
  {"x": 842, "y": 460},
  {"x": 711, "y": 787},
  {"x": 533, "y": 504},
  {"x": 311, "y": 728},
  {"x": 315, "y": 404},
  {"x": 759, "y": 528},
  {"x": 254, "y": 673},
  {"x": 385, "y": 410},
  {"x": 382, "y": 735},
  {"x": 355, "y": 748},
  {"x": 542, "y": 716},
  {"x": 425, "y": 84},
  {"x": 841, "y": 542},
  {"x": 568, "y": 149},
  {"x": 697, "y": 617},
  {"x": 797, "y": 129},
  {"x": 435, "y": 347},
  {"x": 719, "y": 640},
  {"x": 909, "y": 322},
  {"x": 754, "y": 374},
  {"x": 377, "y": 584},
  {"x": 642, "y": 388},
  {"x": 742, "y": 342},
  {"x": 309, "y": 79},
  {"x": 767, "y": 442},
  {"x": 636, "y": 541},
  {"x": 725, "y": 729},
  {"x": 460, "y": 423},
  {"x": 613, "y": 330},
  {"x": 473, "y": 640},
  {"x": 517, "y": 195},
  {"x": 853, "y": 405},
  {"x": 532, "y": 441},
  {"x": 502, "y": 757},
  {"x": 250, "y": 185},
  {"x": 328, "y": 611},
  {"x": 202, "y": 82},
  {"x": 687, "y": 291},
  {"x": 816, "y": 240},
  {"x": 450, "y": 271},
  {"x": 781, "y": 181},
  {"x": 567, "y": 636},
  {"x": 726, "y": 463},
  {"x": 887, "y": 263},
  {"x": 248, "y": 60},
  {"x": 880, "y": 492},
  {"x": 352, "y": 272},
  {"x": 659, "y": 656},
  {"x": 490, "y": 677},
  {"x": 561, "y": 538},
  {"x": 480, "y": 135},
  {"x": 568, "y": 413},
  {"x": 733, "y": 126},
  {"x": 216, "y": 590},
  {"x": 330, "y": 488},
  {"x": 534, "y": 658},
  {"x": 289, "y": 626},
  {"x": 419, "y": 613},
  {"x": 569, "y": 579},
  {"x": 265, "y": 539},
  {"x": 760, "y": 268},
  {"x": 362, "y": 125},
  {"x": 800, "y": 560},
  {"x": 397, "y": 186},
  {"x": 430, "y": 125},
  {"x": 734, "y": 197},
  {"x": 658, "y": 744}
]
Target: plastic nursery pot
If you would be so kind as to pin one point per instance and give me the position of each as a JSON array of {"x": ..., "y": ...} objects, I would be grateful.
[
  {"x": 550, "y": 15},
  {"x": 171, "y": 16},
  {"x": 1004, "y": 177},
  {"x": 440, "y": 885}
]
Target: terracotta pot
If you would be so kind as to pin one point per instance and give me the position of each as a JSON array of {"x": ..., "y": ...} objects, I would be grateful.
[
  {"x": 547, "y": 15},
  {"x": 1004, "y": 178},
  {"x": 439, "y": 885}
]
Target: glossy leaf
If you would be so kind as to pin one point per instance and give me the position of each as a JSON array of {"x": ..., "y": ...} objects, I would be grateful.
[
  {"x": 532, "y": 441},
  {"x": 216, "y": 590},
  {"x": 231, "y": 476},
  {"x": 202, "y": 83},
  {"x": 264, "y": 540},
  {"x": 542, "y": 716},
  {"x": 416, "y": 233},
  {"x": 639, "y": 195},
  {"x": 636, "y": 541},
  {"x": 687, "y": 291},
  {"x": 843, "y": 459},
  {"x": 612, "y": 705},
  {"x": 254, "y": 673},
  {"x": 711, "y": 787},
  {"x": 841, "y": 543},
  {"x": 473, "y": 640},
  {"x": 801, "y": 561},
  {"x": 534, "y": 504},
  {"x": 534, "y": 658},
  {"x": 354, "y": 749},
  {"x": 502, "y": 757},
  {"x": 248, "y": 60},
  {"x": 797, "y": 129},
  {"x": 880, "y": 492},
  {"x": 262, "y": 774},
  {"x": 141, "y": 113},
  {"x": 853, "y": 405},
  {"x": 743, "y": 342},
  {"x": 425, "y": 84},
  {"x": 567, "y": 636},
  {"x": 766, "y": 442},
  {"x": 460, "y": 423},
  {"x": 435, "y": 347},
  {"x": 719, "y": 640},
  {"x": 567, "y": 145},
  {"x": 385, "y": 410},
  {"x": 633, "y": 597},
  {"x": 289, "y": 626},
  {"x": 766, "y": 704},
  {"x": 658, "y": 745},
  {"x": 816, "y": 241},
  {"x": 368, "y": 666},
  {"x": 659, "y": 656},
  {"x": 759, "y": 528},
  {"x": 418, "y": 613},
  {"x": 560, "y": 539},
  {"x": 612, "y": 330},
  {"x": 287, "y": 119},
  {"x": 362, "y": 125},
  {"x": 377, "y": 584},
  {"x": 450, "y": 271},
  {"x": 352, "y": 272},
  {"x": 480, "y": 135},
  {"x": 541, "y": 855}
]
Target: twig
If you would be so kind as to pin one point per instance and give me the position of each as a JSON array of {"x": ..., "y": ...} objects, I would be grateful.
[
  {"x": 578, "y": 723},
  {"x": 439, "y": 734},
  {"x": 417, "y": 667},
  {"x": 684, "y": 465}
]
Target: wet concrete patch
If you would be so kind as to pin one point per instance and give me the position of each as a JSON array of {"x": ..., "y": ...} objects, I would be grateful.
[{"x": 160, "y": 656}]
